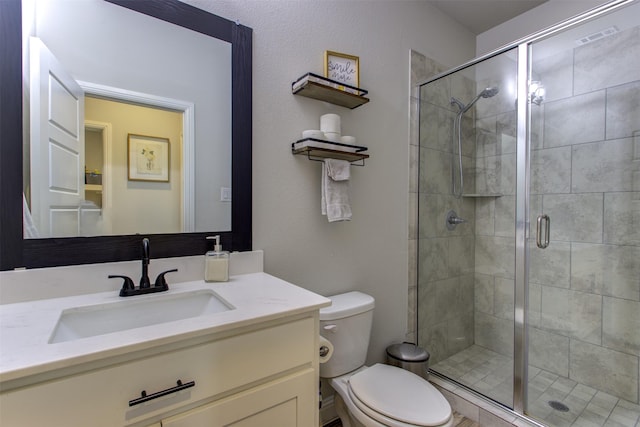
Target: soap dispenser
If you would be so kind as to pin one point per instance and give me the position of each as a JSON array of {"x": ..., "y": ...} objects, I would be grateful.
[{"x": 216, "y": 263}]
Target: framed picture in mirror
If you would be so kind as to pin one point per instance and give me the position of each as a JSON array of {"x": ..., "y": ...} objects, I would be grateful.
[{"x": 148, "y": 158}]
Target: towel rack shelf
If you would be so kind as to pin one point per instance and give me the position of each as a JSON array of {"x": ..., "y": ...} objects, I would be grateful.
[
  {"x": 317, "y": 87},
  {"x": 320, "y": 149},
  {"x": 319, "y": 154}
]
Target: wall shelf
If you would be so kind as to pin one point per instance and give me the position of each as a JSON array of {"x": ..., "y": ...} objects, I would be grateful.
[
  {"x": 318, "y": 150},
  {"x": 321, "y": 88}
]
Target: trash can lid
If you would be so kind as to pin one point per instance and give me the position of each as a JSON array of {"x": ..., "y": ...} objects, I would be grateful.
[{"x": 408, "y": 352}]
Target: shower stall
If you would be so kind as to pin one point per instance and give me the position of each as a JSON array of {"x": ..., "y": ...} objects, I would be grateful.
[{"x": 528, "y": 228}]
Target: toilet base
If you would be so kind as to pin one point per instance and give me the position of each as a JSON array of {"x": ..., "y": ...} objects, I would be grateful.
[{"x": 344, "y": 414}]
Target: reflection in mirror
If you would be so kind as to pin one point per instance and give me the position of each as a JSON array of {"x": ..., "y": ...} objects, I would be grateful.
[
  {"x": 16, "y": 252},
  {"x": 78, "y": 45}
]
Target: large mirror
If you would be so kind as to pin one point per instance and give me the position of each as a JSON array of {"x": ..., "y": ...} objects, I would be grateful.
[{"x": 202, "y": 43}]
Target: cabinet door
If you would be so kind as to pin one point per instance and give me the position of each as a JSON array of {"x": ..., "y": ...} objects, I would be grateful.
[{"x": 286, "y": 402}]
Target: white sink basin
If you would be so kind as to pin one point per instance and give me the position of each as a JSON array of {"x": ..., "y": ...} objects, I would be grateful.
[{"x": 135, "y": 312}]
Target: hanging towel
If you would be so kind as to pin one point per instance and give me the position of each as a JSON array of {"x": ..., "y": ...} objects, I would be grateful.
[{"x": 335, "y": 190}]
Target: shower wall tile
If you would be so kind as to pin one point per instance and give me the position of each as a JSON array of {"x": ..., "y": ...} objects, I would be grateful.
[
  {"x": 556, "y": 74},
  {"x": 430, "y": 208},
  {"x": 413, "y": 215},
  {"x": 551, "y": 170},
  {"x": 484, "y": 293},
  {"x": 487, "y": 124},
  {"x": 427, "y": 303},
  {"x": 606, "y": 269},
  {"x": 604, "y": 166},
  {"x": 432, "y": 258},
  {"x": 574, "y": 120},
  {"x": 461, "y": 257},
  {"x": 447, "y": 290},
  {"x": 423, "y": 67},
  {"x": 536, "y": 127},
  {"x": 623, "y": 110},
  {"x": 549, "y": 351},
  {"x": 573, "y": 314},
  {"x": 504, "y": 298},
  {"x": 550, "y": 266},
  {"x": 575, "y": 217},
  {"x": 437, "y": 93},
  {"x": 486, "y": 143},
  {"x": 621, "y": 325},
  {"x": 506, "y": 124},
  {"x": 505, "y": 216},
  {"x": 436, "y": 337},
  {"x": 608, "y": 370},
  {"x": 435, "y": 174},
  {"x": 494, "y": 333},
  {"x": 535, "y": 303},
  {"x": 469, "y": 174},
  {"x": 414, "y": 163},
  {"x": 495, "y": 256},
  {"x": 460, "y": 333},
  {"x": 496, "y": 174},
  {"x": 436, "y": 127},
  {"x": 622, "y": 218},
  {"x": 485, "y": 210},
  {"x": 418, "y": 66},
  {"x": 606, "y": 63},
  {"x": 468, "y": 132}
]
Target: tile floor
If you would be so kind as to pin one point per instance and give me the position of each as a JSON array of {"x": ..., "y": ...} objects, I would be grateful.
[{"x": 491, "y": 374}]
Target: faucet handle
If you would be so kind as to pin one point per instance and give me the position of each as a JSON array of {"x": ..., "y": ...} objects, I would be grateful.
[
  {"x": 126, "y": 285},
  {"x": 161, "y": 281}
]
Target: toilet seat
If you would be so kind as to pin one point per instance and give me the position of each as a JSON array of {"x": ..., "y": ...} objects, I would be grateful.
[{"x": 398, "y": 398}]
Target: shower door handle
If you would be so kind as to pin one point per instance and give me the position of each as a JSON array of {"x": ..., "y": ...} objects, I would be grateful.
[{"x": 547, "y": 230}]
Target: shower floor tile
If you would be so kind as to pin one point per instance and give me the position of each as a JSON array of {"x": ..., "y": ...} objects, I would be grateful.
[{"x": 492, "y": 375}]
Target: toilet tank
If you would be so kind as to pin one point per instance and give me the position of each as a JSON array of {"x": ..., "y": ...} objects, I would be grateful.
[{"x": 347, "y": 325}]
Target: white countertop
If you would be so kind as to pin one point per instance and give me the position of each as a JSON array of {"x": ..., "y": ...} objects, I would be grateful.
[{"x": 26, "y": 327}]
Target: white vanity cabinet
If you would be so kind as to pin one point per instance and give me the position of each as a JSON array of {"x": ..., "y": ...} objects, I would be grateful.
[{"x": 263, "y": 374}]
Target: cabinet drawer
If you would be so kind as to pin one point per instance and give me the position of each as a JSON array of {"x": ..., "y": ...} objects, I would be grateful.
[
  {"x": 286, "y": 402},
  {"x": 101, "y": 397}
]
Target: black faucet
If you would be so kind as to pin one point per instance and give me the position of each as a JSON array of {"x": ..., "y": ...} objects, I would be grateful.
[
  {"x": 160, "y": 285},
  {"x": 144, "y": 279}
]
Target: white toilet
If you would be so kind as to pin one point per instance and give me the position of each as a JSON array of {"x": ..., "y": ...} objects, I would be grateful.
[{"x": 380, "y": 395}]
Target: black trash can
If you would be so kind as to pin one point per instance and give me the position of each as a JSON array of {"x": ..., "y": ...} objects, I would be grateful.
[{"x": 410, "y": 357}]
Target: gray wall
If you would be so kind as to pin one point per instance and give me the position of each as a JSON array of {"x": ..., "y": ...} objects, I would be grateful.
[{"x": 368, "y": 253}]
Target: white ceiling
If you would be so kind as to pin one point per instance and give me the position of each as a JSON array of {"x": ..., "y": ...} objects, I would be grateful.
[{"x": 481, "y": 15}]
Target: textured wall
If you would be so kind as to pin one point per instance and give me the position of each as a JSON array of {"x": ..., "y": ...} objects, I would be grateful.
[{"x": 368, "y": 253}]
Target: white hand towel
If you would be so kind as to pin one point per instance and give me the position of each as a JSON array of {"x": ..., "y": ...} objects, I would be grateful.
[
  {"x": 335, "y": 190},
  {"x": 338, "y": 170}
]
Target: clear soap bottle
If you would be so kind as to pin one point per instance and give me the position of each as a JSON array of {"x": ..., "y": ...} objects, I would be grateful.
[{"x": 216, "y": 263}]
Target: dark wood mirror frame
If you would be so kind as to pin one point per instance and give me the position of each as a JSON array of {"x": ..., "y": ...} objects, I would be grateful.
[{"x": 17, "y": 252}]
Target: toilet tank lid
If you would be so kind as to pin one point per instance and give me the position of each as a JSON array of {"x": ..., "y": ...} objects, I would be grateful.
[{"x": 348, "y": 304}]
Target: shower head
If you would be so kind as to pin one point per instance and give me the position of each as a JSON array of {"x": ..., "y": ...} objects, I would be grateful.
[
  {"x": 489, "y": 92},
  {"x": 486, "y": 93}
]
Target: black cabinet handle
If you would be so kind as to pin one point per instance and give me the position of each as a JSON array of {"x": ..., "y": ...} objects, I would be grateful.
[{"x": 144, "y": 397}]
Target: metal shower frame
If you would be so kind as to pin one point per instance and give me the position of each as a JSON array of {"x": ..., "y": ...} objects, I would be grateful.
[{"x": 523, "y": 49}]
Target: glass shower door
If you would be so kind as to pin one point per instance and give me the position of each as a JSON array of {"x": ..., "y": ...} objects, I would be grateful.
[
  {"x": 584, "y": 242},
  {"x": 465, "y": 267}
]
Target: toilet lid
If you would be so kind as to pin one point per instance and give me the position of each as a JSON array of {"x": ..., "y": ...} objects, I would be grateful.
[{"x": 400, "y": 395}]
